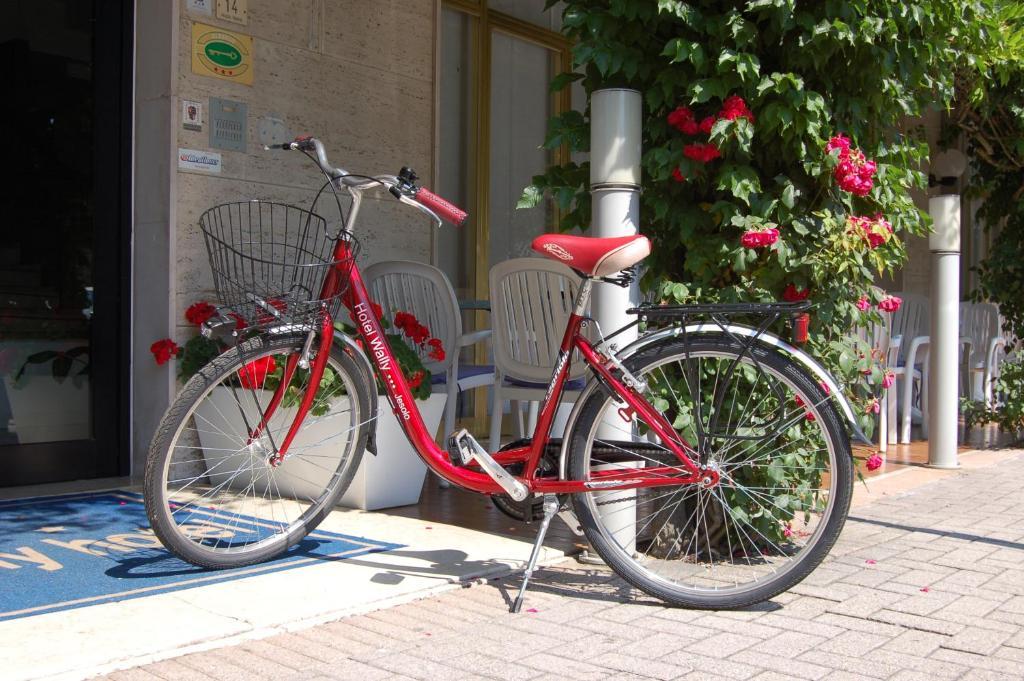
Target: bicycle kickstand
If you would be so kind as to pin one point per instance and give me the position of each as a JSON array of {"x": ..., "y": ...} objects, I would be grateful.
[{"x": 550, "y": 509}]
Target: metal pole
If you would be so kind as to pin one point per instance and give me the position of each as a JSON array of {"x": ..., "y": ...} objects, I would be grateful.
[
  {"x": 615, "y": 133},
  {"x": 944, "y": 365}
]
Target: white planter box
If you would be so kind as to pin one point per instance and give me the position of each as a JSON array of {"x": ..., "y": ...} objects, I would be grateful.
[{"x": 392, "y": 478}]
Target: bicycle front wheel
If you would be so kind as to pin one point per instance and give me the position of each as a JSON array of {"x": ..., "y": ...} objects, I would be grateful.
[
  {"x": 776, "y": 441},
  {"x": 214, "y": 495}
]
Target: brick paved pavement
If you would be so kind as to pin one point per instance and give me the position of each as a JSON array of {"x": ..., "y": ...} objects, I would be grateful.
[{"x": 922, "y": 586}]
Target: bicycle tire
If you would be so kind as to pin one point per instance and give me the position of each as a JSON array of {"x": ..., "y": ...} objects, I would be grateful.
[
  {"x": 161, "y": 509},
  {"x": 710, "y": 592}
]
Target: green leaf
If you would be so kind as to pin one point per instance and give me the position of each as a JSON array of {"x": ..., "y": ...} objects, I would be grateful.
[{"x": 531, "y": 197}]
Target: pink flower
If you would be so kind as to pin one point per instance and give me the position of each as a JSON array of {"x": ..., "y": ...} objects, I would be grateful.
[
  {"x": 854, "y": 172},
  {"x": 824, "y": 386},
  {"x": 863, "y": 304},
  {"x": 759, "y": 238},
  {"x": 840, "y": 141},
  {"x": 890, "y": 304},
  {"x": 678, "y": 176},
  {"x": 888, "y": 379},
  {"x": 701, "y": 152},
  {"x": 787, "y": 531},
  {"x": 874, "y": 462},
  {"x": 875, "y": 231},
  {"x": 792, "y": 294}
]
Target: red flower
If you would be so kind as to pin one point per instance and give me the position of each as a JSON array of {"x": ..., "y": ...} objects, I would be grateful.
[
  {"x": 734, "y": 107},
  {"x": 377, "y": 310},
  {"x": 760, "y": 238},
  {"x": 678, "y": 176},
  {"x": 416, "y": 379},
  {"x": 163, "y": 350},
  {"x": 197, "y": 313},
  {"x": 254, "y": 374},
  {"x": 417, "y": 333},
  {"x": 437, "y": 354},
  {"x": 404, "y": 320},
  {"x": 890, "y": 303},
  {"x": 707, "y": 124},
  {"x": 682, "y": 120},
  {"x": 792, "y": 294},
  {"x": 701, "y": 152},
  {"x": 799, "y": 402},
  {"x": 863, "y": 304},
  {"x": 888, "y": 379},
  {"x": 874, "y": 462}
]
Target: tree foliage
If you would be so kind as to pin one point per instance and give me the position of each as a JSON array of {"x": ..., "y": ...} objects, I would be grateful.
[{"x": 807, "y": 71}]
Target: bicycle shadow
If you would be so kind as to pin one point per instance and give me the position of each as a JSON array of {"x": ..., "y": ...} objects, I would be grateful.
[{"x": 448, "y": 565}]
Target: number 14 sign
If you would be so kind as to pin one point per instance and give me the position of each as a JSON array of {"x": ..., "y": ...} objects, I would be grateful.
[{"x": 236, "y": 11}]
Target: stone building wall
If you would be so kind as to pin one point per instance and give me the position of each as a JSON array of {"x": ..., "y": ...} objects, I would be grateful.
[{"x": 358, "y": 75}]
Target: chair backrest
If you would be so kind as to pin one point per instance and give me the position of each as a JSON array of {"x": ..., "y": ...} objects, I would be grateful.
[
  {"x": 981, "y": 323},
  {"x": 910, "y": 321},
  {"x": 421, "y": 290},
  {"x": 877, "y": 338},
  {"x": 531, "y": 302}
]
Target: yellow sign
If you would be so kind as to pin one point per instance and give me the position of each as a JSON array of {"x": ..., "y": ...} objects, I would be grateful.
[{"x": 222, "y": 54}]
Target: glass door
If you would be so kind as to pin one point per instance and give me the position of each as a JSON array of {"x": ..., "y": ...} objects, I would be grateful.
[
  {"x": 497, "y": 61},
  {"x": 64, "y": 73}
]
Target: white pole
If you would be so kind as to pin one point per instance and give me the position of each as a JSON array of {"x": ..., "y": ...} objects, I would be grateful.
[
  {"x": 944, "y": 365},
  {"x": 615, "y": 141}
]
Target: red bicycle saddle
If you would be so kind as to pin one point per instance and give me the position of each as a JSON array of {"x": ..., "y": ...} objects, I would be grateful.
[{"x": 593, "y": 256}]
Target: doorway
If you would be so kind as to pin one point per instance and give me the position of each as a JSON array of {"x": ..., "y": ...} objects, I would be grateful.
[{"x": 64, "y": 239}]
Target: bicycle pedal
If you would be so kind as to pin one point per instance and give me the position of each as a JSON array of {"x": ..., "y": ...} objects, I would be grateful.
[{"x": 459, "y": 452}]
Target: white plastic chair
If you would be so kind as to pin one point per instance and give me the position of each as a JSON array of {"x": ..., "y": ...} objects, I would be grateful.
[
  {"x": 424, "y": 291},
  {"x": 981, "y": 331},
  {"x": 908, "y": 349},
  {"x": 531, "y": 301}
]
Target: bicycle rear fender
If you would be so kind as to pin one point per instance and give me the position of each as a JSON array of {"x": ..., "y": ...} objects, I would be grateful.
[{"x": 765, "y": 338}]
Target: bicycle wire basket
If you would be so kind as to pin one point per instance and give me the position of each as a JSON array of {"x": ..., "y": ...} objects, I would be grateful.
[{"x": 269, "y": 263}]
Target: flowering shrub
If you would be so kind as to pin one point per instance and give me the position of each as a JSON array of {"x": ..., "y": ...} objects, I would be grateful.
[
  {"x": 266, "y": 373},
  {"x": 809, "y": 136}
]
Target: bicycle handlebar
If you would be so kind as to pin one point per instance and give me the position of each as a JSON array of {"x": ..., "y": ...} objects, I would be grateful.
[
  {"x": 447, "y": 210},
  {"x": 423, "y": 198}
]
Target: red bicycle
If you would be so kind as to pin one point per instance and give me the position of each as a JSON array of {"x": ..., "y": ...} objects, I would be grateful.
[{"x": 707, "y": 462}]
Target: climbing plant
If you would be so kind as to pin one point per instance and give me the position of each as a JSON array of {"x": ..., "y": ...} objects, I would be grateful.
[{"x": 780, "y": 147}]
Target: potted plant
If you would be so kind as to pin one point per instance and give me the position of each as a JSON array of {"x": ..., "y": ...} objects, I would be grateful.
[{"x": 391, "y": 477}]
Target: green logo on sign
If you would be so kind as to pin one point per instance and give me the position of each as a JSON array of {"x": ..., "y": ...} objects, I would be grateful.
[{"x": 223, "y": 54}]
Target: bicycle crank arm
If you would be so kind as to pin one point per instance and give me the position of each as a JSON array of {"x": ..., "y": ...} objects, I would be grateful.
[{"x": 469, "y": 449}]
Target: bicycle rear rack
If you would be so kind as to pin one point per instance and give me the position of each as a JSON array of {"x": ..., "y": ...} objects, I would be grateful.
[{"x": 721, "y": 315}]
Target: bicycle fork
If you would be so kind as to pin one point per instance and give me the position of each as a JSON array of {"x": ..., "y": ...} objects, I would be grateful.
[{"x": 316, "y": 372}]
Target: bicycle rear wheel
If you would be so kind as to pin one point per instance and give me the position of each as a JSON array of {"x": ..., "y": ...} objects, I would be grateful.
[
  {"x": 212, "y": 494},
  {"x": 779, "y": 447}
]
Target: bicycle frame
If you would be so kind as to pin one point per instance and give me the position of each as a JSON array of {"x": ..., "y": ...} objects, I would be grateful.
[{"x": 403, "y": 404}]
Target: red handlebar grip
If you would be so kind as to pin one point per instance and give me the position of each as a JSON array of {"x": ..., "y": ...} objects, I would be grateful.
[{"x": 446, "y": 210}]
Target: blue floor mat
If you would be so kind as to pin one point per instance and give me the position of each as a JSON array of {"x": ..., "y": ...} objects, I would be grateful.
[{"x": 77, "y": 550}]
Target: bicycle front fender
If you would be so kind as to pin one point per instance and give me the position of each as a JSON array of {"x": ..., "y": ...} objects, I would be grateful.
[{"x": 765, "y": 338}]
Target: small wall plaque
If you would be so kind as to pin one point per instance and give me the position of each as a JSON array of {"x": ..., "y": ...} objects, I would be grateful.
[
  {"x": 228, "y": 126},
  {"x": 201, "y": 7},
  {"x": 191, "y": 114},
  {"x": 236, "y": 11}
]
